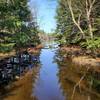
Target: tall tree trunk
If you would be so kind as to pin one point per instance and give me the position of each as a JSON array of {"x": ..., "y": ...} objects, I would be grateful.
[
  {"x": 73, "y": 18},
  {"x": 90, "y": 28},
  {"x": 89, "y": 7}
]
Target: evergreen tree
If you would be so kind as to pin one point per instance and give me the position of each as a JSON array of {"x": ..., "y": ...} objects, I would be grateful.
[{"x": 15, "y": 29}]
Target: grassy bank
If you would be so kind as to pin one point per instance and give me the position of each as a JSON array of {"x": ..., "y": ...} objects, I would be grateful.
[
  {"x": 32, "y": 50},
  {"x": 81, "y": 57},
  {"x": 8, "y": 54},
  {"x": 80, "y": 72}
]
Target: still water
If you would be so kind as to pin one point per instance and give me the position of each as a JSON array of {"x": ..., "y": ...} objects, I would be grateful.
[
  {"x": 47, "y": 86},
  {"x": 53, "y": 79},
  {"x": 57, "y": 78}
]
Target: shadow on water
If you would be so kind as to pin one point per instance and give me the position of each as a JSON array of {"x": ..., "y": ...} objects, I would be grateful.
[{"x": 11, "y": 69}]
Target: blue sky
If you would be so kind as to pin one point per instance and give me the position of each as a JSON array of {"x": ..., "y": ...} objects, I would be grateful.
[{"x": 46, "y": 11}]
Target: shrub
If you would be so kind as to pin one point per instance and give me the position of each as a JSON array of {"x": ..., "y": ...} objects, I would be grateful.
[{"x": 92, "y": 43}]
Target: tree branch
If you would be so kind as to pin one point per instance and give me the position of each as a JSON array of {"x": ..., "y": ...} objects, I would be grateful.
[{"x": 73, "y": 17}]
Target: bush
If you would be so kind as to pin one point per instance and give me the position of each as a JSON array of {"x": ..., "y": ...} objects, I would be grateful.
[
  {"x": 92, "y": 43},
  {"x": 6, "y": 47}
]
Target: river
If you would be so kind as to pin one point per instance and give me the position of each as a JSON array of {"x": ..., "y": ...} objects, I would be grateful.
[
  {"x": 47, "y": 86},
  {"x": 53, "y": 79}
]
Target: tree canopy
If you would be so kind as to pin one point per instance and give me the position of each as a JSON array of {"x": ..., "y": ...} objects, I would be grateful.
[
  {"x": 78, "y": 22},
  {"x": 17, "y": 27}
]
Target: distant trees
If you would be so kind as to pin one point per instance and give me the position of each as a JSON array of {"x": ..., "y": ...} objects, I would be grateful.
[
  {"x": 46, "y": 37},
  {"x": 78, "y": 22},
  {"x": 17, "y": 27}
]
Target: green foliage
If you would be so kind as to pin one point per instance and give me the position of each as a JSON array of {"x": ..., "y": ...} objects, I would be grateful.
[
  {"x": 60, "y": 39},
  {"x": 68, "y": 29},
  {"x": 16, "y": 20},
  {"x": 92, "y": 44},
  {"x": 64, "y": 23},
  {"x": 6, "y": 47},
  {"x": 21, "y": 39}
]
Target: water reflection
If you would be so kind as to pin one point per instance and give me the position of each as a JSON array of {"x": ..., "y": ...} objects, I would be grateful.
[
  {"x": 14, "y": 67},
  {"x": 47, "y": 86},
  {"x": 69, "y": 75},
  {"x": 54, "y": 80}
]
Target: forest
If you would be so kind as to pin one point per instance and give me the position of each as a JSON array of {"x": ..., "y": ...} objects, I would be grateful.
[
  {"x": 39, "y": 64},
  {"x": 18, "y": 28},
  {"x": 78, "y": 23},
  {"x": 78, "y": 35}
]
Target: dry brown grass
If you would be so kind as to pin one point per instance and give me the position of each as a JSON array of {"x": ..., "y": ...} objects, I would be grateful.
[
  {"x": 85, "y": 60},
  {"x": 35, "y": 50},
  {"x": 79, "y": 57},
  {"x": 39, "y": 46},
  {"x": 4, "y": 55},
  {"x": 30, "y": 50},
  {"x": 71, "y": 49}
]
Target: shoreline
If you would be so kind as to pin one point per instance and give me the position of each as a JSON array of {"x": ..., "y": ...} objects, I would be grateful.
[
  {"x": 6, "y": 55},
  {"x": 31, "y": 50},
  {"x": 24, "y": 81},
  {"x": 80, "y": 57},
  {"x": 83, "y": 70}
]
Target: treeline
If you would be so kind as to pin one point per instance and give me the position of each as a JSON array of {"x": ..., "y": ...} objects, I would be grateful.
[
  {"x": 78, "y": 23},
  {"x": 17, "y": 26},
  {"x": 46, "y": 37}
]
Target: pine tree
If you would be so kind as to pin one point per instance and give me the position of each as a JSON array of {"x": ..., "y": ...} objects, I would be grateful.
[{"x": 15, "y": 29}]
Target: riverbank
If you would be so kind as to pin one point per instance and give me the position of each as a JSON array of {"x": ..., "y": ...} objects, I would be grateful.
[
  {"x": 32, "y": 50},
  {"x": 79, "y": 71},
  {"x": 81, "y": 57},
  {"x": 35, "y": 50},
  {"x": 9, "y": 54},
  {"x": 20, "y": 88}
]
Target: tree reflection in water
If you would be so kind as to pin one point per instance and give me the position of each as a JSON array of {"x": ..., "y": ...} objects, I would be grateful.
[
  {"x": 69, "y": 74},
  {"x": 14, "y": 68}
]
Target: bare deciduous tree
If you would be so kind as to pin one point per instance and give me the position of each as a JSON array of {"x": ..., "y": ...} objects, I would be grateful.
[{"x": 89, "y": 5}]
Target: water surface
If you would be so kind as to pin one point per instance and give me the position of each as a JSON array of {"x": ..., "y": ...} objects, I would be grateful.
[
  {"x": 50, "y": 77},
  {"x": 47, "y": 86}
]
